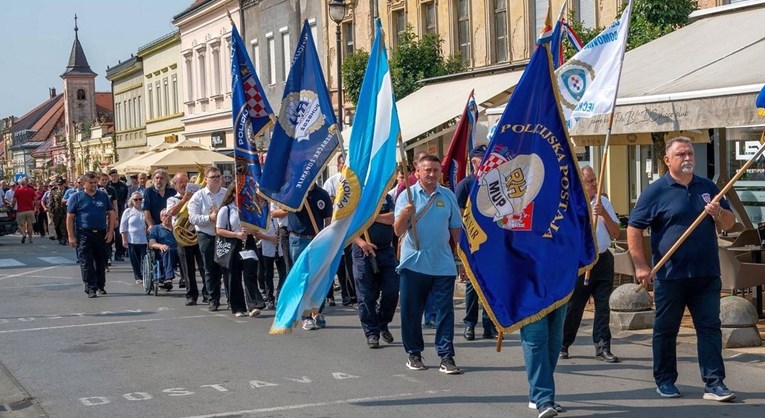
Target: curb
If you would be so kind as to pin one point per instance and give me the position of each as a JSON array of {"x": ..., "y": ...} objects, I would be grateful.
[{"x": 15, "y": 401}]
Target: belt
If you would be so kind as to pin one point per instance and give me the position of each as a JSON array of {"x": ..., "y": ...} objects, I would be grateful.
[
  {"x": 294, "y": 234},
  {"x": 93, "y": 231}
]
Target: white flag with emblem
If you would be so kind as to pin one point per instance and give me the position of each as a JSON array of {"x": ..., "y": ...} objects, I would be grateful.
[{"x": 588, "y": 81}]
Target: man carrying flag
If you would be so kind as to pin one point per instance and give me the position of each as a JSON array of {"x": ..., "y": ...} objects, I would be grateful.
[
  {"x": 527, "y": 207},
  {"x": 455, "y": 163}
]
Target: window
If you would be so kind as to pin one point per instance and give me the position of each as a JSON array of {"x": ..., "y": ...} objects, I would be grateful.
[
  {"x": 189, "y": 81},
  {"x": 167, "y": 96},
  {"x": 80, "y": 94},
  {"x": 255, "y": 55},
  {"x": 286, "y": 53},
  {"x": 399, "y": 26},
  {"x": 158, "y": 89},
  {"x": 128, "y": 122},
  {"x": 347, "y": 38},
  {"x": 176, "y": 99},
  {"x": 314, "y": 34},
  {"x": 134, "y": 114},
  {"x": 429, "y": 17},
  {"x": 216, "y": 71},
  {"x": 271, "y": 58},
  {"x": 585, "y": 13},
  {"x": 150, "y": 102},
  {"x": 202, "y": 76},
  {"x": 538, "y": 15},
  {"x": 140, "y": 115},
  {"x": 500, "y": 31},
  {"x": 117, "y": 117},
  {"x": 463, "y": 29}
]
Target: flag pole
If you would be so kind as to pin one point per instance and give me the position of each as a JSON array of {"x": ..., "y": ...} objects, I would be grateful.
[
  {"x": 703, "y": 214},
  {"x": 405, "y": 170},
  {"x": 604, "y": 156}
]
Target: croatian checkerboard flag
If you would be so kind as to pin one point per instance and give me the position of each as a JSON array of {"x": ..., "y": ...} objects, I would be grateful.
[{"x": 588, "y": 82}]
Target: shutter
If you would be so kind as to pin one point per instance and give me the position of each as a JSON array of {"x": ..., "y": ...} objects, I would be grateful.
[{"x": 587, "y": 13}]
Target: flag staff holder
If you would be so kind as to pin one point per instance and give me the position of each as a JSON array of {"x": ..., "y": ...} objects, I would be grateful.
[
  {"x": 703, "y": 214},
  {"x": 604, "y": 156},
  {"x": 405, "y": 170}
]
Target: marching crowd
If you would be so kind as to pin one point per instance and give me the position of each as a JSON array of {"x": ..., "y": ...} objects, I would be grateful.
[{"x": 404, "y": 259}]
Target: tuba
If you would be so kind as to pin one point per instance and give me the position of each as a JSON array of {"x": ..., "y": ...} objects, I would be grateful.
[{"x": 184, "y": 232}]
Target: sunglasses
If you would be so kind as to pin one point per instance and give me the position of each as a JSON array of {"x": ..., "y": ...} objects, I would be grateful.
[{"x": 137, "y": 199}]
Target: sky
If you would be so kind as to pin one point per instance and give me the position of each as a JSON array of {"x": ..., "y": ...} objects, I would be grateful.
[{"x": 38, "y": 35}]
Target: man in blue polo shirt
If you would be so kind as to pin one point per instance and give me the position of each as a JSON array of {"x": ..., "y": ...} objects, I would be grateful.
[
  {"x": 691, "y": 277},
  {"x": 155, "y": 197},
  {"x": 428, "y": 265},
  {"x": 90, "y": 223}
]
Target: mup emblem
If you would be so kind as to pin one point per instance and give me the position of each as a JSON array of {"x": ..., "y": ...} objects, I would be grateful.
[
  {"x": 576, "y": 77},
  {"x": 301, "y": 115},
  {"x": 507, "y": 189}
]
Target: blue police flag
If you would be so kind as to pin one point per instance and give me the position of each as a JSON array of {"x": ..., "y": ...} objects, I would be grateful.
[
  {"x": 252, "y": 115},
  {"x": 526, "y": 229},
  {"x": 306, "y": 134}
]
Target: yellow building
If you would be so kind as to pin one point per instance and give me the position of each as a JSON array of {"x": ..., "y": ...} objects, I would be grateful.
[{"x": 127, "y": 86}]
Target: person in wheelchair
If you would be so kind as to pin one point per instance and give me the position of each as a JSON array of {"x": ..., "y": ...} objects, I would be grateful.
[{"x": 162, "y": 240}]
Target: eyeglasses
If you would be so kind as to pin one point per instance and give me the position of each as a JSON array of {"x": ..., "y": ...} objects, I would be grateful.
[
  {"x": 137, "y": 199},
  {"x": 214, "y": 177}
]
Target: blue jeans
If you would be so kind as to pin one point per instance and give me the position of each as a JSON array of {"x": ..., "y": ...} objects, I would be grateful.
[
  {"x": 297, "y": 245},
  {"x": 471, "y": 310},
  {"x": 414, "y": 290},
  {"x": 371, "y": 287},
  {"x": 702, "y": 297},
  {"x": 541, "y": 342},
  {"x": 430, "y": 310},
  {"x": 167, "y": 261}
]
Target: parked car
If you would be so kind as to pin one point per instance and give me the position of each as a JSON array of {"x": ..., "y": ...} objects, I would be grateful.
[{"x": 8, "y": 223}]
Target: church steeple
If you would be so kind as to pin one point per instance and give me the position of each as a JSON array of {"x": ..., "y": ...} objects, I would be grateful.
[{"x": 78, "y": 64}]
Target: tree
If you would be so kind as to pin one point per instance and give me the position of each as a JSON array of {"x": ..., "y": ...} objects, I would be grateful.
[{"x": 354, "y": 66}]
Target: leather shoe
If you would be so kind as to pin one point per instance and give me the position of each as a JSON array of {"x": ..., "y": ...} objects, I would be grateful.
[
  {"x": 563, "y": 353},
  {"x": 606, "y": 356},
  {"x": 190, "y": 302},
  {"x": 470, "y": 333},
  {"x": 386, "y": 336},
  {"x": 213, "y": 306},
  {"x": 490, "y": 334}
]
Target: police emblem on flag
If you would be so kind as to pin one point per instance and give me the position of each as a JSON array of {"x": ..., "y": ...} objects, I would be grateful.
[
  {"x": 507, "y": 190},
  {"x": 576, "y": 78},
  {"x": 301, "y": 114}
]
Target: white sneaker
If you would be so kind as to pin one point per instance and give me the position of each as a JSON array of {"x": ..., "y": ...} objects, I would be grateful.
[
  {"x": 254, "y": 312},
  {"x": 309, "y": 325}
]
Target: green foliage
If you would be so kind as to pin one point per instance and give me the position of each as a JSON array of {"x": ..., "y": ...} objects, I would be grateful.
[
  {"x": 412, "y": 60},
  {"x": 353, "y": 69}
]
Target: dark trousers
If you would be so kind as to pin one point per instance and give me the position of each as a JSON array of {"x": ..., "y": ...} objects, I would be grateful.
[
  {"x": 190, "y": 257},
  {"x": 167, "y": 261},
  {"x": 265, "y": 285},
  {"x": 471, "y": 310},
  {"x": 212, "y": 275},
  {"x": 250, "y": 274},
  {"x": 600, "y": 287},
  {"x": 136, "y": 253},
  {"x": 415, "y": 288},
  {"x": 91, "y": 254},
  {"x": 370, "y": 287},
  {"x": 59, "y": 224},
  {"x": 119, "y": 250},
  {"x": 702, "y": 297},
  {"x": 41, "y": 223},
  {"x": 345, "y": 276},
  {"x": 268, "y": 276}
]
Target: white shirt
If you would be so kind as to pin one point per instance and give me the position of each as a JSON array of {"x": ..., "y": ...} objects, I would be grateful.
[
  {"x": 330, "y": 186},
  {"x": 199, "y": 209},
  {"x": 272, "y": 249},
  {"x": 134, "y": 224},
  {"x": 601, "y": 232},
  {"x": 171, "y": 201},
  {"x": 228, "y": 218}
]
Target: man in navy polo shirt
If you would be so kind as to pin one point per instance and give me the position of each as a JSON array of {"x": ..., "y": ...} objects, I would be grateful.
[
  {"x": 155, "y": 198},
  {"x": 90, "y": 223},
  {"x": 691, "y": 277}
]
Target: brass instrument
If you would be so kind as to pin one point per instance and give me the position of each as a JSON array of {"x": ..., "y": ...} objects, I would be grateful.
[{"x": 184, "y": 232}]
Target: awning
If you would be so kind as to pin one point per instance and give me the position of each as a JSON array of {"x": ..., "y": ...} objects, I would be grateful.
[
  {"x": 704, "y": 75},
  {"x": 439, "y": 102}
]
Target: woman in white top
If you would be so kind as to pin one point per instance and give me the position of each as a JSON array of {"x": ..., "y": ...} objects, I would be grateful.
[
  {"x": 133, "y": 231},
  {"x": 247, "y": 301},
  {"x": 273, "y": 253}
]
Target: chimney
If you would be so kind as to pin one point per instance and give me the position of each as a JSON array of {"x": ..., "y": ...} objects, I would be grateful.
[{"x": 52, "y": 92}]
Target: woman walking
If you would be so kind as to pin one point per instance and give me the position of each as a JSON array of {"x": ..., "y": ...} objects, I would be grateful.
[{"x": 133, "y": 231}]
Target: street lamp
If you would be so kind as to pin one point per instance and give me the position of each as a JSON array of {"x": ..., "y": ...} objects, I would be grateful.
[{"x": 337, "y": 14}]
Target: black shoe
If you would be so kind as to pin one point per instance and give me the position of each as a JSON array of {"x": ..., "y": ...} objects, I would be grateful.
[
  {"x": 606, "y": 356},
  {"x": 386, "y": 336},
  {"x": 213, "y": 306},
  {"x": 347, "y": 302},
  {"x": 119, "y": 259},
  {"x": 23, "y": 239},
  {"x": 191, "y": 302},
  {"x": 331, "y": 302},
  {"x": 563, "y": 353},
  {"x": 373, "y": 341},
  {"x": 205, "y": 300},
  {"x": 415, "y": 362},
  {"x": 181, "y": 284},
  {"x": 270, "y": 305},
  {"x": 52, "y": 238},
  {"x": 490, "y": 334},
  {"x": 91, "y": 294},
  {"x": 101, "y": 291},
  {"x": 470, "y": 333}
]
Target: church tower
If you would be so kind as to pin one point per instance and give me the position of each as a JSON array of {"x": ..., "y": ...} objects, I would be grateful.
[{"x": 79, "y": 90}]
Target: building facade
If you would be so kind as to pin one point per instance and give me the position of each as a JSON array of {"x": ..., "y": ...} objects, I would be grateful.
[{"x": 127, "y": 86}]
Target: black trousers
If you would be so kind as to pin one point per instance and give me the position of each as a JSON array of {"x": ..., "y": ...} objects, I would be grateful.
[
  {"x": 378, "y": 292},
  {"x": 59, "y": 224},
  {"x": 212, "y": 275},
  {"x": 600, "y": 287},
  {"x": 191, "y": 258},
  {"x": 345, "y": 276},
  {"x": 91, "y": 254},
  {"x": 281, "y": 268}
]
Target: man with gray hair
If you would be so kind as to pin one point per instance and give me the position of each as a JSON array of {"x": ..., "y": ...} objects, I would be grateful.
[{"x": 155, "y": 197}]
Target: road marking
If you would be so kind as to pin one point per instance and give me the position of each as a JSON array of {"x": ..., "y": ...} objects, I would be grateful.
[
  {"x": 9, "y": 262},
  {"x": 102, "y": 323},
  {"x": 28, "y": 272},
  {"x": 317, "y": 404},
  {"x": 56, "y": 260}
]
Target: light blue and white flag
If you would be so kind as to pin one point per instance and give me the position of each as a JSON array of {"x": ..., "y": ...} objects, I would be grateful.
[
  {"x": 589, "y": 80},
  {"x": 367, "y": 177}
]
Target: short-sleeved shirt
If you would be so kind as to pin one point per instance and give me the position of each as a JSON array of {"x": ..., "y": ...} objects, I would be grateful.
[
  {"x": 330, "y": 186},
  {"x": 601, "y": 232},
  {"x": 162, "y": 235},
  {"x": 321, "y": 207},
  {"x": 669, "y": 208},
  {"x": 121, "y": 190},
  {"x": 154, "y": 202},
  {"x": 133, "y": 224},
  {"x": 90, "y": 211},
  {"x": 25, "y": 198},
  {"x": 228, "y": 218},
  {"x": 462, "y": 191},
  {"x": 379, "y": 234},
  {"x": 70, "y": 192},
  {"x": 434, "y": 256}
]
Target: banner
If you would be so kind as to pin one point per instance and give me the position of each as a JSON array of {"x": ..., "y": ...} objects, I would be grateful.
[
  {"x": 306, "y": 134},
  {"x": 252, "y": 116},
  {"x": 526, "y": 230},
  {"x": 455, "y": 162},
  {"x": 367, "y": 177}
]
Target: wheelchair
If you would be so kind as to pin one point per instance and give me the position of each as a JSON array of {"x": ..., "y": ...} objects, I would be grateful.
[{"x": 150, "y": 267}]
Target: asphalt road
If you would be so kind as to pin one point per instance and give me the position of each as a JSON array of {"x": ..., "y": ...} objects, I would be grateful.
[{"x": 132, "y": 355}]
